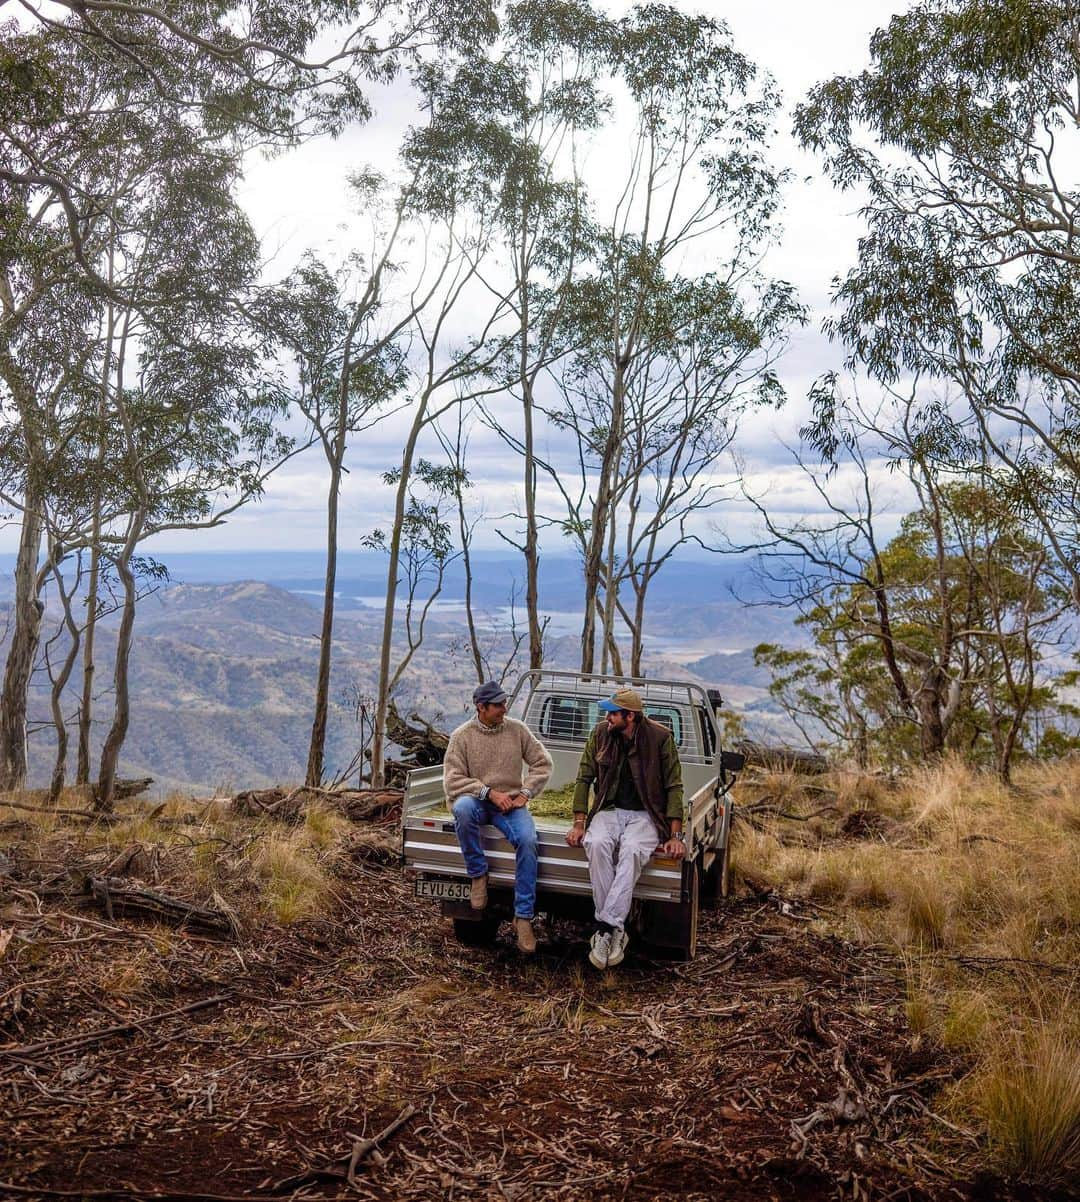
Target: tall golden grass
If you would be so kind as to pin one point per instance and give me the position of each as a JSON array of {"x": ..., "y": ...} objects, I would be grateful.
[
  {"x": 204, "y": 850},
  {"x": 977, "y": 887}
]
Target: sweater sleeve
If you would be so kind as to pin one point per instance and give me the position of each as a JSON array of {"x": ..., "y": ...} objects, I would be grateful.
[
  {"x": 457, "y": 780},
  {"x": 538, "y": 760}
]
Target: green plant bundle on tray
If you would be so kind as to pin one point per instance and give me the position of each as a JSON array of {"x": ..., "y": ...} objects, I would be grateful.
[{"x": 555, "y": 803}]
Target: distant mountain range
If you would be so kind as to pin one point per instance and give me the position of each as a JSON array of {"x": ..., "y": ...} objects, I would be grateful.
[
  {"x": 223, "y": 670},
  {"x": 497, "y": 573}
]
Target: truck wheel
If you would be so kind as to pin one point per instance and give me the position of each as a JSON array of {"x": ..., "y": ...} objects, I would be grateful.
[{"x": 476, "y": 932}]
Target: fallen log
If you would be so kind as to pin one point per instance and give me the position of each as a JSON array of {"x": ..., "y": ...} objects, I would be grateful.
[
  {"x": 422, "y": 744},
  {"x": 284, "y": 804},
  {"x": 131, "y": 788},
  {"x": 37, "y": 800},
  {"x": 116, "y": 896},
  {"x": 782, "y": 759},
  {"x": 396, "y": 773},
  {"x": 367, "y": 805},
  {"x": 287, "y": 805}
]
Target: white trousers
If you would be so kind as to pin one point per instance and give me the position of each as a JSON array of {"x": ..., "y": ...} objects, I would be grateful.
[{"x": 618, "y": 845}]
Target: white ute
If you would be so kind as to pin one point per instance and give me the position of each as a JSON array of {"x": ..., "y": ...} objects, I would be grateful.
[{"x": 561, "y": 709}]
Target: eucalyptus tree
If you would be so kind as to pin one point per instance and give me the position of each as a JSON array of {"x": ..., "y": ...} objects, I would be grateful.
[
  {"x": 46, "y": 346},
  {"x": 271, "y": 73},
  {"x": 481, "y": 187},
  {"x": 705, "y": 355},
  {"x": 193, "y": 398},
  {"x": 164, "y": 418},
  {"x": 456, "y": 451},
  {"x": 700, "y": 378},
  {"x": 505, "y": 126},
  {"x": 350, "y": 360},
  {"x": 88, "y": 94},
  {"x": 930, "y": 639},
  {"x": 696, "y": 170},
  {"x": 962, "y": 134},
  {"x": 445, "y": 371},
  {"x": 426, "y": 549},
  {"x": 59, "y": 677},
  {"x": 695, "y": 182}
]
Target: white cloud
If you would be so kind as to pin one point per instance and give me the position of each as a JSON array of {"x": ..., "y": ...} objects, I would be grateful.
[{"x": 300, "y": 201}]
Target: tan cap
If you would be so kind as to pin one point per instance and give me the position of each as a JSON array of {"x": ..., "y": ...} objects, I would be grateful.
[{"x": 624, "y": 699}]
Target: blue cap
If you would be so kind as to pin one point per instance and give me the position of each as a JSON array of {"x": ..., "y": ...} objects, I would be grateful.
[{"x": 489, "y": 693}]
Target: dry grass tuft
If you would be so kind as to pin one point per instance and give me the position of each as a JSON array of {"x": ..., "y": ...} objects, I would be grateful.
[
  {"x": 977, "y": 886},
  {"x": 1054, "y": 790},
  {"x": 923, "y": 903},
  {"x": 829, "y": 878},
  {"x": 919, "y": 996},
  {"x": 294, "y": 884},
  {"x": 968, "y": 1019},
  {"x": 325, "y": 827},
  {"x": 1029, "y": 1095},
  {"x": 861, "y": 791}
]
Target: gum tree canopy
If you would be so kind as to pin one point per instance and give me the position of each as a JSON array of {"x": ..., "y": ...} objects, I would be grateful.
[
  {"x": 964, "y": 135},
  {"x": 107, "y": 111}
]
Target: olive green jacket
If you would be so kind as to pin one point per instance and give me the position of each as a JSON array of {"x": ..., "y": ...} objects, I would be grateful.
[{"x": 654, "y": 765}]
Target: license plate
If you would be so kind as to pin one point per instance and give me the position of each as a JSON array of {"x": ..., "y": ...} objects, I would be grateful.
[{"x": 443, "y": 890}]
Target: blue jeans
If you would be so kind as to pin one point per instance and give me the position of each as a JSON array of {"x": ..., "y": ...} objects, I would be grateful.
[{"x": 470, "y": 815}]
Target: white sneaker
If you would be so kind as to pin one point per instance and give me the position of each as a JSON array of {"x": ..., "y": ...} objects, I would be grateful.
[
  {"x": 598, "y": 949},
  {"x": 617, "y": 942}
]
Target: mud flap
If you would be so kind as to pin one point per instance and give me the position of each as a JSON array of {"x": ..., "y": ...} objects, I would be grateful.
[
  {"x": 500, "y": 903},
  {"x": 670, "y": 928}
]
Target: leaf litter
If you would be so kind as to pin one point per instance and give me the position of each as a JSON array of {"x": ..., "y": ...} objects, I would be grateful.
[{"x": 363, "y": 1053}]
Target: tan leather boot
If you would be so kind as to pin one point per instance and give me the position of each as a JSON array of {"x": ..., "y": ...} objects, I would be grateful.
[
  {"x": 526, "y": 936},
  {"x": 478, "y": 892}
]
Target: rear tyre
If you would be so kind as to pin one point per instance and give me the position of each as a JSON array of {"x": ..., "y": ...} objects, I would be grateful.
[{"x": 476, "y": 932}]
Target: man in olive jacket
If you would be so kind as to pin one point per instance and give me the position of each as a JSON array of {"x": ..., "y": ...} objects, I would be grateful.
[{"x": 634, "y": 766}]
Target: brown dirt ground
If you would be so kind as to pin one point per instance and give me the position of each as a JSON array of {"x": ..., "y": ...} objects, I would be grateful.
[{"x": 776, "y": 1065}]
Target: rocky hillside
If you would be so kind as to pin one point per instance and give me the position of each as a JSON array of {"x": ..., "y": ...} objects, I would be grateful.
[{"x": 223, "y": 675}]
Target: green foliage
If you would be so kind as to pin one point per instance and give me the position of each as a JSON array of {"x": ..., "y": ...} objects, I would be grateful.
[
  {"x": 427, "y": 543},
  {"x": 805, "y": 686},
  {"x": 967, "y": 272},
  {"x": 976, "y": 577}
]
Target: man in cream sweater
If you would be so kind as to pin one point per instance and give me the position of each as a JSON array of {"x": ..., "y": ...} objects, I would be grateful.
[{"x": 483, "y": 778}]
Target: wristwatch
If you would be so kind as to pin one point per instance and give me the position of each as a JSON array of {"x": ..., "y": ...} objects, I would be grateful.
[{"x": 680, "y": 835}]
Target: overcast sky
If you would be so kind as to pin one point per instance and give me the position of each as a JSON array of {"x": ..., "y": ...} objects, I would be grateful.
[{"x": 299, "y": 201}]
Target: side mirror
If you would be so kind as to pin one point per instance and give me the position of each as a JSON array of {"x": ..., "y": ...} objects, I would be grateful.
[{"x": 732, "y": 761}]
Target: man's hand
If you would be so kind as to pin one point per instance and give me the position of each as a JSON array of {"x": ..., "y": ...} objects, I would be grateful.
[
  {"x": 501, "y": 801},
  {"x": 575, "y": 836},
  {"x": 675, "y": 848},
  {"x": 517, "y": 800}
]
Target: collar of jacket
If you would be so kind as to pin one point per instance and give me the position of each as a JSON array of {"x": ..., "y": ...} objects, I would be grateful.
[{"x": 490, "y": 730}]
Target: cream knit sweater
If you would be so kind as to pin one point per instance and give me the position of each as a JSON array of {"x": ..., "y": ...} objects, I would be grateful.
[{"x": 479, "y": 758}]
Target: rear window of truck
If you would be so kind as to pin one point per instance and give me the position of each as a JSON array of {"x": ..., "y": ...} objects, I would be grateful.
[{"x": 571, "y": 718}]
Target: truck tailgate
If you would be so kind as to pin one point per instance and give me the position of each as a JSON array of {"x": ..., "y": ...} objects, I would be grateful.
[{"x": 430, "y": 847}]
